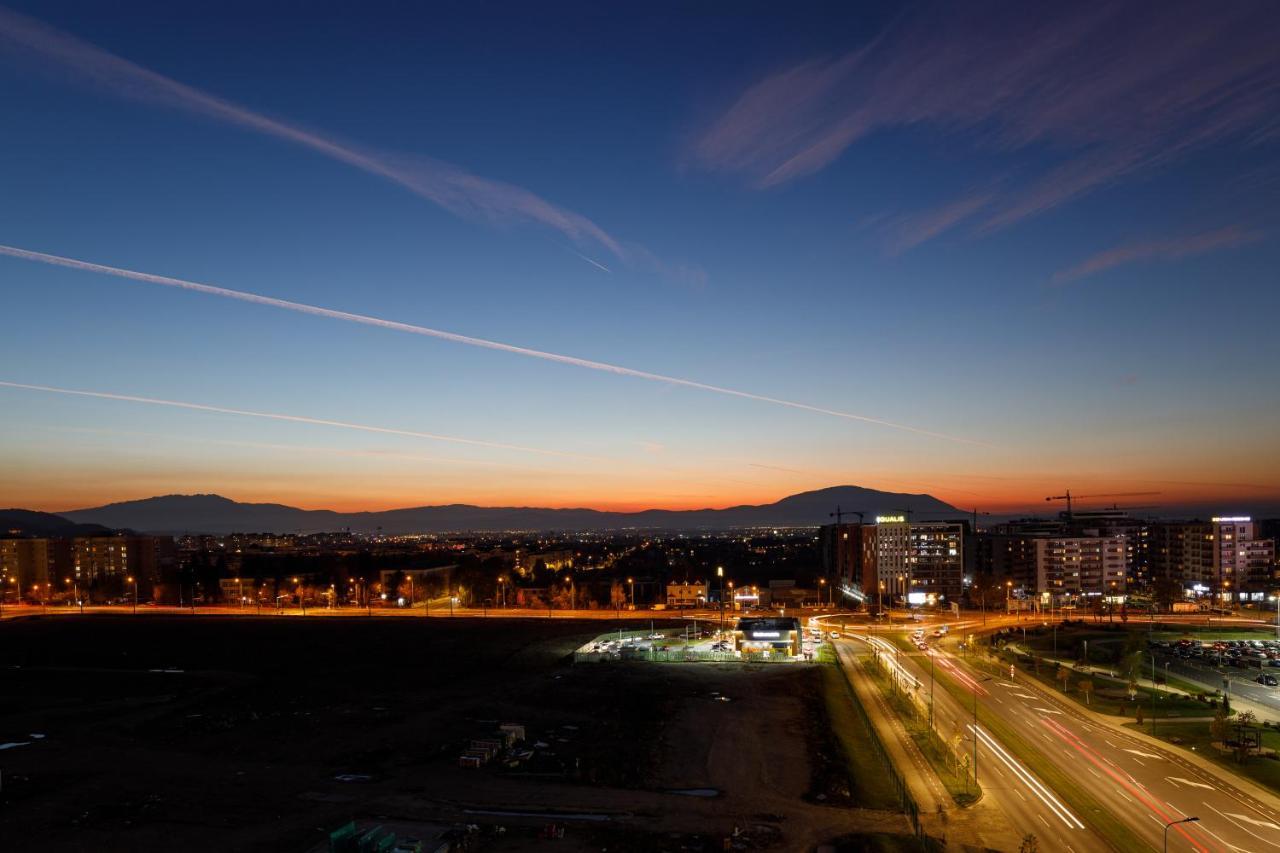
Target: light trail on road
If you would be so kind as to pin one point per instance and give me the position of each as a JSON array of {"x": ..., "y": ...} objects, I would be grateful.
[{"x": 1046, "y": 796}]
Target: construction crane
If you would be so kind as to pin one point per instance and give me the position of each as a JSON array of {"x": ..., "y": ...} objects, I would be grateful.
[
  {"x": 839, "y": 514},
  {"x": 1068, "y": 497}
]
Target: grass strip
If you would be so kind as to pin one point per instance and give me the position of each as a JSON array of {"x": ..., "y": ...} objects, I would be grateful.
[
  {"x": 869, "y": 785},
  {"x": 926, "y": 740}
]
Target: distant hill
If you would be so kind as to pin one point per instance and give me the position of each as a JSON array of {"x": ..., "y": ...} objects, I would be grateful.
[
  {"x": 216, "y": 514},
  {"x": 25, "y": 522}
]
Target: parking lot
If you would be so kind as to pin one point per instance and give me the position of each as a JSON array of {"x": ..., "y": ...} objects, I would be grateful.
[{"x": 1245, "y": 668}]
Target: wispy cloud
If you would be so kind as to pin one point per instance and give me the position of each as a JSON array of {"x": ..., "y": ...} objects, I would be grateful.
[
  {"x": 451, "y": 187},
  {"x": 349, "y": 317},
  {"x": 1100, "y": 90},
  {"x": 1230, "y": 237}
]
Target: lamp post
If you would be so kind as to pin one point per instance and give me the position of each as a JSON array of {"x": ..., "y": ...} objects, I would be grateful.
[
  {"x": 1276, "y": 599},
  {"x": 975, "y": 734},
  {"x": 720, "y": 575},
  {"x": 631, "y": 590},
  {"x": 452, "y": 599},
  {"x": 302, "y": 600},
  {"x": 1175, "y": 823},
  {"x": 502, "y": 589},
  {"x": 822, "y": 583},
  {"x": 134, "y": 581},
  {"x": 1153, "y": 693},
  {"x": 411, "y": 594}
]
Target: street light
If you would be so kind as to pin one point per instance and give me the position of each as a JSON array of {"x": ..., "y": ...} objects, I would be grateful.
[
  {"x": 720, "y": 575},
  {"x": 631, "y": 588},
  {"x": 134, "y": 581},
  {"x": 1175, "y": 823}
]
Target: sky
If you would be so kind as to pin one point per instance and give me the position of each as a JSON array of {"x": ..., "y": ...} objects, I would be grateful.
[{"x": 660, "y": 255}]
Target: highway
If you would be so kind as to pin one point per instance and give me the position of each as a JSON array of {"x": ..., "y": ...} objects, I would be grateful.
[
  {"x": 1140, "y": 785},
  {"x": 1028, "y": 803}
]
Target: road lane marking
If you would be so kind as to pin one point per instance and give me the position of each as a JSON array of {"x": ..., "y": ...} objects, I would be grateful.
[
  {"x": 1091, "y": 755},
  {"x": 1048, "y": 711},
  {"x": 1178, "y": 780},
  {"x": 1245, "y": 828},
  {"x": 1143, "y": 754}
]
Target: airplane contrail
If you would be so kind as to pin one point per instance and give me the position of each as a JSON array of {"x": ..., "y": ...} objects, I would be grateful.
[
  {"x": 317, "y": 311},
  {"x": 276, "y": 416},
  {"x": 451, "y": 187}
]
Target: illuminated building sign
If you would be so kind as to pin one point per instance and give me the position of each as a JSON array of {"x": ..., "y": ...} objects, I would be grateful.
[
  {"x": 1228, "y": 519},
  {"x": 890, "y": 519},
  {"x": 765, "y": 635},
  {"x": 915, "y": 598}
]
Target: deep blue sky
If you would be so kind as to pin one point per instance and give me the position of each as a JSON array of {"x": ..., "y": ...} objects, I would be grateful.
[{"x": 1055, "y": 237}]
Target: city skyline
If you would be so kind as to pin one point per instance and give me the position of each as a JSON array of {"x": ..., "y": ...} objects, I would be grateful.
[{"x": 619, "y": 265}]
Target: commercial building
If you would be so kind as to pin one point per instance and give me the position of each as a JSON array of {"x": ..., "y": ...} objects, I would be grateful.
[
  {"x": 896, "y": 560},
  {"x": 936, "y": 560},
  {"x": 849, "y": 559},
  {"x": 773, "y": 636},
  {"x": 686, "y": 594}
]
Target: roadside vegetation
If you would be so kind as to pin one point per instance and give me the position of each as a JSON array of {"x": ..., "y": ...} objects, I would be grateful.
[
  {"x": 947, "y": 757},
  {"x": 869, "y": 786},
  {"x": 1102, "y": 668},
  {"x": 1223, "y": 742}
]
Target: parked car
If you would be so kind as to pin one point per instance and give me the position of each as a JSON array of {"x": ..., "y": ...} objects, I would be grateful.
[{"x": 1269, "y": 680}]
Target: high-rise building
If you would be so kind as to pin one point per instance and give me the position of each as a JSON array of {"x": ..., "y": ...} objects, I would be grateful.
[
  {"x": 102, "y": 564},
  {"x": 1080, "y": 569},
  {"x": 24, "y": 563},
  {"x": 1223, "y": 557},
  {"x": 894, "y": 560},
  {"x": 936, "y": 559}
]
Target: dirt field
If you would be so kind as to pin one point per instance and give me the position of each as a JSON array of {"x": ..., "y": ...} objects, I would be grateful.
[{"x": 237, "y": 741}]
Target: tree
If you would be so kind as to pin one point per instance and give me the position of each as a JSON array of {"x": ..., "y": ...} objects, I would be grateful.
[
  {"x": 1219, "y": 727},
  {"x": 1029, "y": 844},
  {"x": 1063, "y": 675},
  {"x": 1139, "y": 715},
  {"x": 1133, "y": 690},
  {"x": 617, "y": 595},
  {"x": 1164, "y": 592},
  {"x": 1086, "y": 687}
]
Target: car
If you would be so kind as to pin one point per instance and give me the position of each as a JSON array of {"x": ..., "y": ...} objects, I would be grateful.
[
  {"x": 834, "y": 635},
  {"x": 1268, "y": 680}
]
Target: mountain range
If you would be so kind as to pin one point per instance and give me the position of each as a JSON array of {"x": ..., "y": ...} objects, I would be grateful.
[{"x": 175, "y": 514}]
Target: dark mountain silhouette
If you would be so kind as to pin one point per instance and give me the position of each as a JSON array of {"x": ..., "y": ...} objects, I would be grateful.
[
  {"x": 25, "y": 522},
  {"x": 216, "y": 514}
]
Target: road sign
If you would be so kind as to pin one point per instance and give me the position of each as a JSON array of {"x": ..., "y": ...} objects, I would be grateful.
[{"x": 1011, "y": 670}]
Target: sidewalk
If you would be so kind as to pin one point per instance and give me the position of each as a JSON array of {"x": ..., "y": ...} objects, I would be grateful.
[
  {"x": 982, "y": 825},
  {"x": 1238, "y": 703}
]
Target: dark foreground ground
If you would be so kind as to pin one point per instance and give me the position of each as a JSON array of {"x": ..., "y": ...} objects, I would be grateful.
[{"x": 237, "y": 742}]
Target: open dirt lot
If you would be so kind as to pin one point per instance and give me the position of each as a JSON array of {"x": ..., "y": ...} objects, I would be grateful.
[{"x": 164, "y": 733}]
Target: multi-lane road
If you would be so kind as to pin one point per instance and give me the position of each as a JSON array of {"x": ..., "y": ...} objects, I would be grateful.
[{"x": 1100, "y": 777}]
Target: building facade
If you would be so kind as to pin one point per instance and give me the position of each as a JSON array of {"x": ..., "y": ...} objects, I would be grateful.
[{"x": 1080, "y": 569}]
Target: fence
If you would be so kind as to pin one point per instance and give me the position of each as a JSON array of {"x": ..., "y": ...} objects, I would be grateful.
[{"x": 908, "y": 803}]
